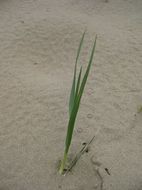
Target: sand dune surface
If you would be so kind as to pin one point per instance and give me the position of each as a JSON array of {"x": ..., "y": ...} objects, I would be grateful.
[{"x": 38, "y": 44}]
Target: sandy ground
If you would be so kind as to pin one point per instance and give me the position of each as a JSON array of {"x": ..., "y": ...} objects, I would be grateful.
[{"x": 38, "y": 43}]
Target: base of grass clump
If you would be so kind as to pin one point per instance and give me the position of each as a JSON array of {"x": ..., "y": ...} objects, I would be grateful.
[
  {"x": 62, "y": 168},
  {"x": 66, "y": 166}
]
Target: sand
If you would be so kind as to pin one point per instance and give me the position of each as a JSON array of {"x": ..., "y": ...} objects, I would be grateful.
[{"x": 38, "y": 44}]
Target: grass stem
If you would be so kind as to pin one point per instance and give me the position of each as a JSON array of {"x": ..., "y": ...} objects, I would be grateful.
[{"x": 63, "y": 163}]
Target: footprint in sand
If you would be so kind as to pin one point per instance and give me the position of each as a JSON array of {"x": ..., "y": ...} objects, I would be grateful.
[{"x": 99, "y": 171}]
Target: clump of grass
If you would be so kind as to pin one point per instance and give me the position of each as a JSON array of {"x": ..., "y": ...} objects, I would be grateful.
[{"x": 77, "y": 90}]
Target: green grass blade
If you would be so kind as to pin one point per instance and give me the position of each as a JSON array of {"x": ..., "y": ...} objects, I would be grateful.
[
  {"x": 77, "y": 101},
  {"x": 72, "y": 94},
  {"x": 73, "y": 115},
  {"x": 78, "y": 82},
  {"x": 75, "y": 98},
  {"x": 80, "y": 46},
  {"x": 71, "y": 126},
  {"x": 87, "y": 72}
]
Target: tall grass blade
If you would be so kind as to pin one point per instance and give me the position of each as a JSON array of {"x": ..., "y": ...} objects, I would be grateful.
[
  {"x": 80, "y": 46},
  {"x": 78, "y": 90},
  {"x": 72, "y": 94},
  {"x": 78, "y": 82},
  {"x": 87, "y": 72},
  {"x": 77, "y": 101}
]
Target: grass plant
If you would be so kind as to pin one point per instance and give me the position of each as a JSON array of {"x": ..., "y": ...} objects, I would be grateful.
[{"x": 76, "y": 93}]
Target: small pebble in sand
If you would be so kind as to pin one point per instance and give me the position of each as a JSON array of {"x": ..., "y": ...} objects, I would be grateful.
[
  {"x": 107, "y": 171},
  {"x": 84, "y": 143},
  {"x": 87, "y": 150}
]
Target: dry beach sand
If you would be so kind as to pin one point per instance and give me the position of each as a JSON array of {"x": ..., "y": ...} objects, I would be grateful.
[{"x": 38, "y": 43}]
